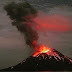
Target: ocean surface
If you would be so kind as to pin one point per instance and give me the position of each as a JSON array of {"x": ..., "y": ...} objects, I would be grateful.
[{"x": 13, "y": 48}]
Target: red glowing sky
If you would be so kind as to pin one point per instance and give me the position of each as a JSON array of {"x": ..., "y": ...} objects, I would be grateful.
[{"x": 54, "y": 22}]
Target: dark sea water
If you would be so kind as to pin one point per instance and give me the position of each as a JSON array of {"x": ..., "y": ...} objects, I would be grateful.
[{"x": 12, "y": 44}]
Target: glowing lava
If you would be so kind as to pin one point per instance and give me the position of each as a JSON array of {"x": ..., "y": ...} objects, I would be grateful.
[
  {"x": 42, "y": 49},
  {"x": 50, "y": 52}
]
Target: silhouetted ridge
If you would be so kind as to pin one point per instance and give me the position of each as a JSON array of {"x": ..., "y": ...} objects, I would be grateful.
[{"x": 43, "y": 62}]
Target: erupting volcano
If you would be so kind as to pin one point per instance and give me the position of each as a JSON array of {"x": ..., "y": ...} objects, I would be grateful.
[
  {"x": 44, "y": 59},
  {"x": 50, "y": 52},
  {"x": 44, "y": 49}
]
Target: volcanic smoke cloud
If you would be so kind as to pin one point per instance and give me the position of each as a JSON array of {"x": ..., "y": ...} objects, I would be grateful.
[
  {"x": 21, "y": 14},
  {"x": 28, "y": 21}
]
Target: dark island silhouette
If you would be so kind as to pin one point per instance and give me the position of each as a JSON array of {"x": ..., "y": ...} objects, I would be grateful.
[{"x": 44, "y": 62}]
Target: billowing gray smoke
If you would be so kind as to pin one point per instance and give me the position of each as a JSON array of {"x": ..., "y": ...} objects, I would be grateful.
[{"x": 21, "y": 14}]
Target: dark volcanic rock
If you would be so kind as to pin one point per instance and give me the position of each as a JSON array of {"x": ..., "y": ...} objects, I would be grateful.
[{"x": 43, "y": 62}]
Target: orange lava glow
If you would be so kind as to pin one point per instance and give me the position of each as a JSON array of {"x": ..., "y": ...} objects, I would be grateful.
[{"x": 42, "y": 49}]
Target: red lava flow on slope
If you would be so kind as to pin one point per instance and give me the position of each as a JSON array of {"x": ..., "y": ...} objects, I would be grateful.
[
  {"x": 50, "y": 52},
  {"x": 44, "y": 49}
]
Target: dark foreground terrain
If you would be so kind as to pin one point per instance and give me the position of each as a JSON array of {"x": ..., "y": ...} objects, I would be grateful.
[{"x": 43, "y": 62}]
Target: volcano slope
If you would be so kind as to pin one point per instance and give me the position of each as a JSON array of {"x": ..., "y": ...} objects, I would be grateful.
[{"x": 44, "y": 62}]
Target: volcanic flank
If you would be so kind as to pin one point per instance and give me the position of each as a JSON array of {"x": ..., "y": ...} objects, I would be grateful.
[{"x": 46, "y": 59}]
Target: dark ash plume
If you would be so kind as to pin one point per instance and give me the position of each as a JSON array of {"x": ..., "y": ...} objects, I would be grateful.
[
  {"x": 21, "y": 14},
  {"x": 17, "y": 11}
]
